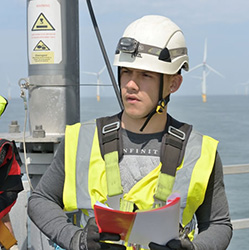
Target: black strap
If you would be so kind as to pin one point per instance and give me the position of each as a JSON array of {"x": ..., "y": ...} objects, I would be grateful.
[
  {"x": 14, "y": 181},
  {"x": 109, "y": 135},
  {"x": 5, "y": 146},
  {"x": 109, "y": 140},
  {"x": 17, "y": 156},
  {"x": 172, "y": 148},
  {"x": 173, "y": 145}
]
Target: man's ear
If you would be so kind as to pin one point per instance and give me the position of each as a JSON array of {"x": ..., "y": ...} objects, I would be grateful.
[{"x": 176, "y": 82}]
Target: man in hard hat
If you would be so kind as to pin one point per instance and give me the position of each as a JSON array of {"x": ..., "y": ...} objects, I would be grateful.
[
  {"x": 10, "y": 185},
  {"x": 134, "y": 160}
]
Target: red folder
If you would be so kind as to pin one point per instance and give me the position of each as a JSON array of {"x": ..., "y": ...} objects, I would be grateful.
[{"x": 156, "y": 225}]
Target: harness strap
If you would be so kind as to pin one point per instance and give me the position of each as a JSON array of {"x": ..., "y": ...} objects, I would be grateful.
[
  {"x": 5, "y": 164},
  {"x": 109, "y": 139},
  {"x": 172, "y": 152},
  {"x": 9, "y": 160}
]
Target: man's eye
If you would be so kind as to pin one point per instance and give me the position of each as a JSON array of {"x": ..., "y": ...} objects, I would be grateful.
[
  {"x": 146, "y": 75},
  {"x": 124, "y": 71}
]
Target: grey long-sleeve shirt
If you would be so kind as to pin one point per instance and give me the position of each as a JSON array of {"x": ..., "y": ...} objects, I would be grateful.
[{"x": 45, "y": 204}]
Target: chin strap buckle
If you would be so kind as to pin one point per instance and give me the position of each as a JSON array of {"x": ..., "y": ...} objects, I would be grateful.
[{"x": 160, "y": 106}]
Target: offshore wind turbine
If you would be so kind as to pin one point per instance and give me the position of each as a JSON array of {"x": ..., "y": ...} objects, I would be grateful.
[
  {"x": 205, "y": 71},
  {"x": 246, "y": 88},
  {"x": 98, "y": 79},
  {"x": 9, "y": 87},
  {"x": 246, "y": 84}
]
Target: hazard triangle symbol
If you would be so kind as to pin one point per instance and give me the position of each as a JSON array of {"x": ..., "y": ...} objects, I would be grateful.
[
  {"x": 41, "y": 46},
  {"x": 42, "y": 23}
]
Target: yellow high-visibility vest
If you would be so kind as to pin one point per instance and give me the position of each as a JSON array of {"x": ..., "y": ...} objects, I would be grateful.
[{"x": 85, "y": 174}]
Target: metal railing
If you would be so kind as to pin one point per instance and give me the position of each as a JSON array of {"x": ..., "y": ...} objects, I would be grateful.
[{"x": 238, "y": 169}]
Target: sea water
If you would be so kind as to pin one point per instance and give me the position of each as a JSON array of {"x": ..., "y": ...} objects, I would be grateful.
[{"x": 225, "y": 118}]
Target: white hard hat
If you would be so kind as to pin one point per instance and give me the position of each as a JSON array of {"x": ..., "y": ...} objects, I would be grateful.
[{"x": 152, "y": 43}]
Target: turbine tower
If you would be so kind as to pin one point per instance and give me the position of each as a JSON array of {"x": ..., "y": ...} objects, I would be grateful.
[
  {"x": 246, "y": 84},
  {"x": 246, "y": 88},
  {"x": 98, "y": 79},
  {"x": 9, "y": 87},
  {"x": 205, "y": 73}
]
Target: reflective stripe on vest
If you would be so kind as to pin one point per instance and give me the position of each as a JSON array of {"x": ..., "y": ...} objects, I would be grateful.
[
  {"x": 89, "y": 179},
  {"x": 199, "y": 178},
  {"x": 77, "y": 154}
]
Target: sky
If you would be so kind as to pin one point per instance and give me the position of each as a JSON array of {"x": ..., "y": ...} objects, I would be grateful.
[{"x": 223, "y": 23}]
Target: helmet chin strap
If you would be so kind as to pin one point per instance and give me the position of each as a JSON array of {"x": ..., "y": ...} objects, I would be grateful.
[
  {"x": 160, "y": 105},
  {"x": 158, "y": 109}
]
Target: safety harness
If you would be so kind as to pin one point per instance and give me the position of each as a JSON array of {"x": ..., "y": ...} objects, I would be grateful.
[
  {"x": 10, "y": 185},
  {"x": 10, "y": 159},
  {"x": 10, "y": 176},
  {"x": 172, "y": 151}
]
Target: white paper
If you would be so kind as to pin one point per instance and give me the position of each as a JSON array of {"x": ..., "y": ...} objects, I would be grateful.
[{"x": 157, "y": 226}]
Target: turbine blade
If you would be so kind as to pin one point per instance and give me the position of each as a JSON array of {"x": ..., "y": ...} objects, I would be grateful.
[
  {"x": 101, "y": 71},
  {"x": 205, "y": 51},
  {"x": 95, "y": 84},
  {"x": 196, "y": 67},
  {"x": 197, "y": 77},
  {"x": 244, "y": 83},
  {"x": 89, "y": 73},
  {"x": 215, "y": 71}
]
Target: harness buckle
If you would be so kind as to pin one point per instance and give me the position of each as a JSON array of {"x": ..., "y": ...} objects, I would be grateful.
[
  {"x": 158, "y": 203},
  {"x": 114, "y": 201},
  {"x": 111, "y": 127},
  {"x": 177, "y": 133}
]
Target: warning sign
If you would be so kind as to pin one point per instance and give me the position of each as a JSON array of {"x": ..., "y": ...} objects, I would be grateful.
[
  {"x": 44, "y": 32},
  {"x": 41, "y": 46},
  {"x": 42, "y": 23},
  {"x": 42, "y": 57}
]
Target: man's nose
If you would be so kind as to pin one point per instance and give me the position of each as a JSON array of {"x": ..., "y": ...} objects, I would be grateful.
[{"x": 133, "y": 82}]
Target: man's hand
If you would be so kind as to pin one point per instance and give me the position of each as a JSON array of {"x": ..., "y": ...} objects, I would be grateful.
[
  {"x": 90, "y": 239},
  {"x": 175, "y": 244}
]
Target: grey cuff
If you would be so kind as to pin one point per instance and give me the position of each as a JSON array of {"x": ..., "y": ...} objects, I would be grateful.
[{"x": 74, "y": 244}]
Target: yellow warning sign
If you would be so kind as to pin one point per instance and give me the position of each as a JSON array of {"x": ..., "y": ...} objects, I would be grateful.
[
  {"x": 42, "y": 57},
  {"x": 41, "y": 46},
  {"x": 42, "y": 23}
]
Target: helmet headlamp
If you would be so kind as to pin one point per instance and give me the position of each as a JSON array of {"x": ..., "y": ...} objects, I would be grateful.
[
  {"x": 127, "y": 45},
  {"x": 132, "y": 46}
]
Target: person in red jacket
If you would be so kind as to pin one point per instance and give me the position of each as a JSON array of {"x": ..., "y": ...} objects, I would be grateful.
[{"x": 10, "y": 175}]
